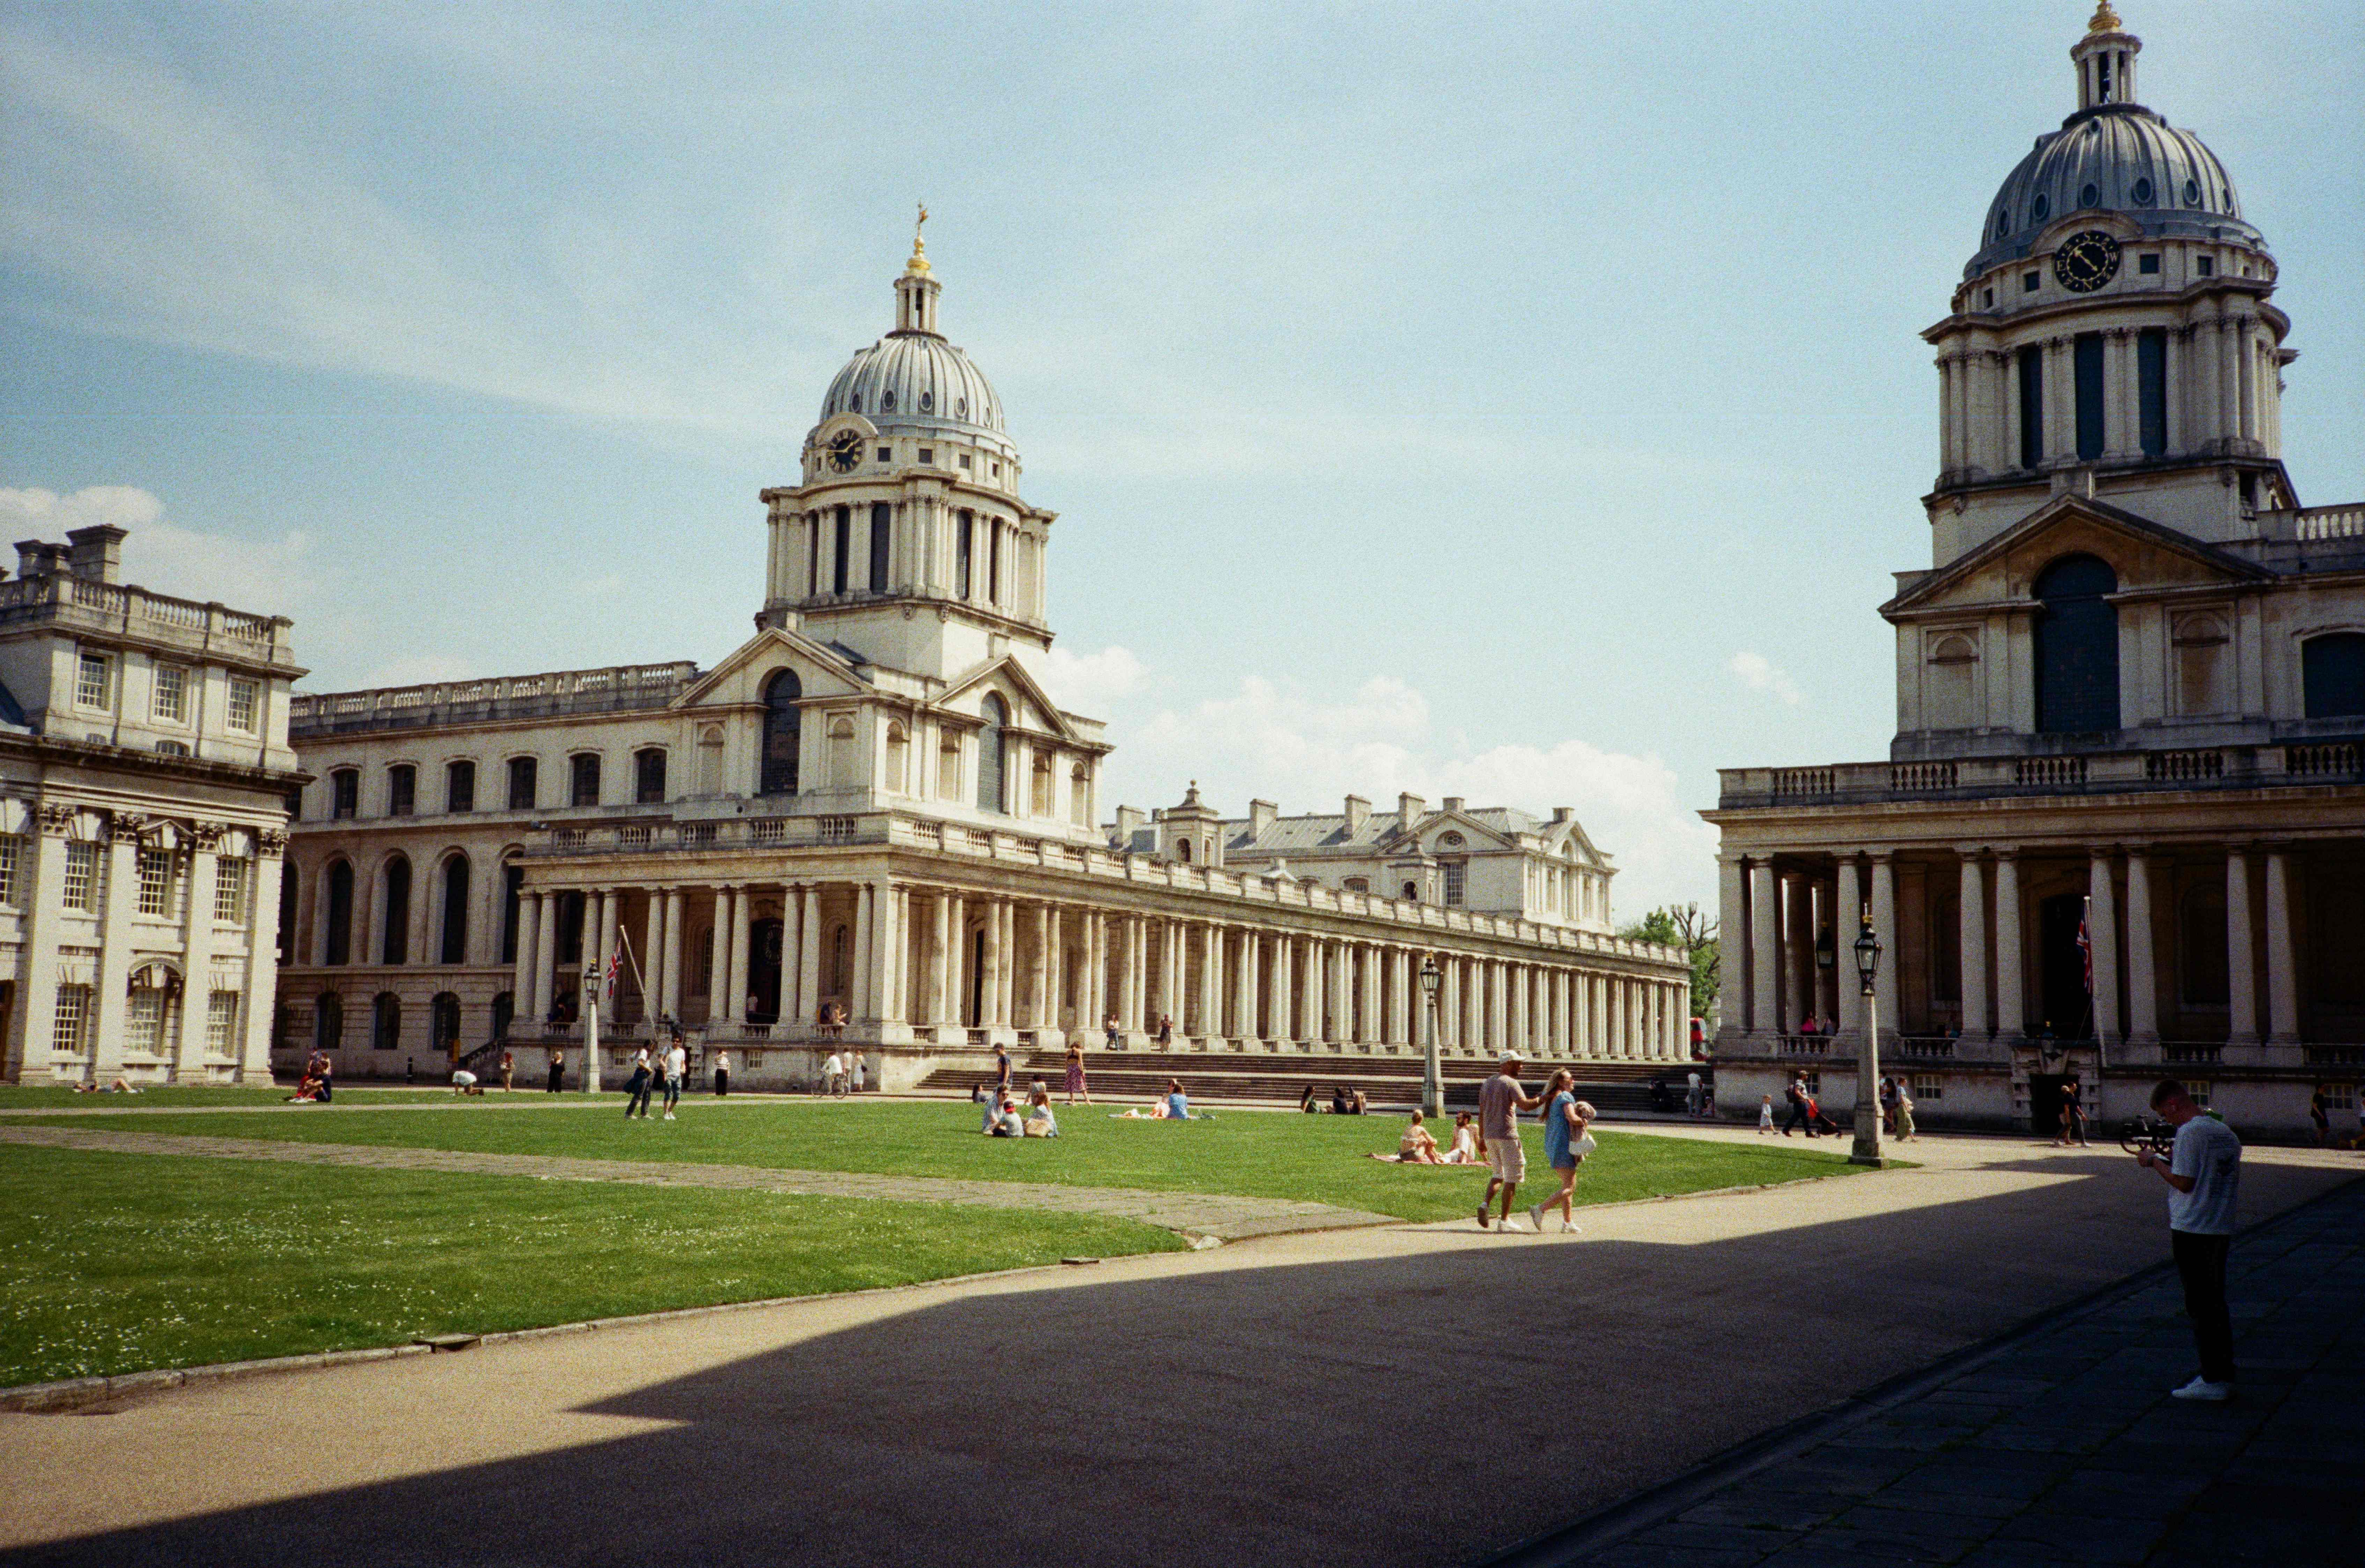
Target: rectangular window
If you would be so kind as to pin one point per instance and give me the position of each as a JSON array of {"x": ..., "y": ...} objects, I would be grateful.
[
  {"x": 993, "y": 562},
  {"x": 522, "y": 783},
  {"x": 2204, "y": 265},
  {"x": 172, "y": 695},
  {"x": 1929, "y": 1088},
  {"x": 81, "y": 891},
  {"x": 964, "y": 551},
  {"x": 345, "y": 793},
  {"x": 1457, "y": 880},
  {"x": 2200, "y": 1094},
  {"x": 229, "y": 889},
  {"x": 68, "y": 1035},
  {"x": 401, "y": 791},
  {"x": 94, "y": 680},
  {"x": 143, "y": 1021},
  {"x": 221, "y": 1024},
  {"x": 929, "y": 455},
  {"x": 2028, "y": 282},
  {"x": 459, "y": 786},
  {"x": 2151, "y": 390},
  {"x": 2031, "y": 407},
  {"x": 886, "y": 454},
  {"x": 964, "y": 460},
  {"x": 840, "y": 539},
  {"x": 584, "y": 787},
  {"x": 649, "y": 777},
  {"x": 245, "y": 704},
  {"x": 11, "y": 848},
  {"x": 2086, "y": 354},
  {"x": 155, "y": 881},
  {"x": 2147, "y": 264},
  {"x": 882, "y": 517}
]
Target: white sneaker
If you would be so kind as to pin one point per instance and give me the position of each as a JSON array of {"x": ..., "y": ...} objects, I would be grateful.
[
  {"x": 669, "y": 1115},
  {"x": 1569, "y": 1227},
  {"x": 1536, "y": 1218},
  {"x": 2201, "y": 1388}
]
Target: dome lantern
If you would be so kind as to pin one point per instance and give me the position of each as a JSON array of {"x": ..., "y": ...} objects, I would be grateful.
[
  {"x": 2105, "y": 58},
  {"x": 916, "y": 290}
]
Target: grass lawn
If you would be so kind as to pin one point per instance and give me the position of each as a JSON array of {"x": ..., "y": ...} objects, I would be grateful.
[
  {"x": 57, "y": 1097},
  {"x": 114, "y": 1263},
  {"x": 1257, "y": 1155}
]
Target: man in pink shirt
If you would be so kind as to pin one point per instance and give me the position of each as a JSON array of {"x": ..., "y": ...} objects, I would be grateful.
[{"x": 1500, "y": 1101}]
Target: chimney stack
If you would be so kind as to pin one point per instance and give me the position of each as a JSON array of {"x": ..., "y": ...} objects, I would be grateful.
[
  {"x": 97, "y": 551},
  {"x": 1409, "y": 811},
  {"x": 1453, "y": 803},
  {"x": 1263, "y": 814},
  {"x": 1359, "y": 810}
]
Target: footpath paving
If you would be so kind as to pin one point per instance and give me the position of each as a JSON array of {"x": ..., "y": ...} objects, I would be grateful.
[
  {"x": 1226, "y": 1218},
  {"x": 2064, "y": 1451}
]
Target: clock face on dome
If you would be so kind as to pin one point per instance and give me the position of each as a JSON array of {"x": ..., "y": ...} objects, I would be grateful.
[
  {"x": 845, "y": 451},
  {"x": 2086, "y": 262}
]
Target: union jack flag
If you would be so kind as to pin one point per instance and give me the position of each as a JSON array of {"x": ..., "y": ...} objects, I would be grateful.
[
  {"x": 2086, "y": 944},
  {"x": 607, "y": 986}
]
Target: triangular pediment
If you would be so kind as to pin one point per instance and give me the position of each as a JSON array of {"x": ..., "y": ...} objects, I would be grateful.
[
  {"x": 2142, "y": 553},
  {"x": 1426, "y": 832},
  {"x": 1007, "y": 672},
  {"x": 824, "y": 670}
]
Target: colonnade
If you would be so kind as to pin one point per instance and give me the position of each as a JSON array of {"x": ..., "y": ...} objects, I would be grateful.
[{"x": 937, "y": 957}]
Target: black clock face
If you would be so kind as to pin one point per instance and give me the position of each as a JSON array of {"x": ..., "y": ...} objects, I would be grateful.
[
  {"x": 845, "y": 451},
  {"x": 2086, "y": 262}
]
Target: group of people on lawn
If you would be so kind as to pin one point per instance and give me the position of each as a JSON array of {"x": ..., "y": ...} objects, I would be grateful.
[{"x": 1494, "y": 1141}]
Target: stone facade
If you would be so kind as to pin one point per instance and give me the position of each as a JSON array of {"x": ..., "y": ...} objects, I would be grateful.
[
  {"x": 2129, "y": 693},
  {"x": 873, "y": 808},
  {"x": 144, "y": 780}
]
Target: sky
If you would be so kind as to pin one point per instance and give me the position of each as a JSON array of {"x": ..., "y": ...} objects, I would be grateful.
[{"x": 1521, "y": 402}]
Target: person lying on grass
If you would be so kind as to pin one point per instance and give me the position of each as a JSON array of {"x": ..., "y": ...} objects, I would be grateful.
[{"x": 1417, "y": 1146}]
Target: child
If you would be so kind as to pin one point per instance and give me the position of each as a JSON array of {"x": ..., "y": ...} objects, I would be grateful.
[{"x": 1765, "y": 1113}]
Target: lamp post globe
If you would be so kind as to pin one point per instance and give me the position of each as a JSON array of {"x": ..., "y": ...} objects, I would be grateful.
[
  {"x": 1867, "y": 1052},
  {"x": 1432, "y": 1083}
]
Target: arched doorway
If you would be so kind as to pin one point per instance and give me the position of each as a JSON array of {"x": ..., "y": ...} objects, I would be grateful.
[
  {"x": 2077, "y": 647},
  {"x": 764, "y": 943},
  {"x": 977, "y": 979},
  {"x": 443, "y": 1026}
]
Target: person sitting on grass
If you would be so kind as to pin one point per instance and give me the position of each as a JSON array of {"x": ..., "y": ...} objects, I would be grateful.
[
  {"x": 1465, "y": 1149},
  {"x": 1417, "y": 1146},
  {"x": 1005, "y": 1123},
  {"x": 1177, "y": 1104},
  {"x": 1040, "y": 1122},
  {"x": 1306, "y": 1101},
  {"x": 307, "y": 1090}
]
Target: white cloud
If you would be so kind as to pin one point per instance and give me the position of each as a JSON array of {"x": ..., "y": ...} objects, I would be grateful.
[
  {"x": 1760, "y": 674},
  {"x": 1306, "y": 750},
  {"x": 272, "y": 577},
  {"x": 1089, "y": 684}
]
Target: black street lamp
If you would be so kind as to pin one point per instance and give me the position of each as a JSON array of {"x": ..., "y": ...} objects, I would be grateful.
[
  {"x": 1867, "y": 1054},
  {"x": 1432, "y": 1069}
]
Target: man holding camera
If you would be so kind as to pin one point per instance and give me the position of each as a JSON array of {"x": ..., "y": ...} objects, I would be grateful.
[{"x": 2204, "y": 1173}]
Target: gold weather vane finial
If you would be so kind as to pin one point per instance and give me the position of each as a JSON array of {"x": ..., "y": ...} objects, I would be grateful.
[
  {"x": 2104, "y": 19},
  {"x": 919, "y": 262}
]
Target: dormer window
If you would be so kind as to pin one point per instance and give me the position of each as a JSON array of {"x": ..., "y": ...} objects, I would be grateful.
[{"x": 1987, "y": 299}]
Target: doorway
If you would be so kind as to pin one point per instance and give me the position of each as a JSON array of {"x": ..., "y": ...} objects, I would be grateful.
[
  {"x": 764, "y": 938},
  {"x": 977, "y": 979},
  {"x": 2069, "y": 1013},
  {"x": 2046, "y": 1092}
]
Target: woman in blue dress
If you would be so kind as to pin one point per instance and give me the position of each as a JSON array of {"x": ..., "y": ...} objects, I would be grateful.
[{"x": 1566, "y": 1143}]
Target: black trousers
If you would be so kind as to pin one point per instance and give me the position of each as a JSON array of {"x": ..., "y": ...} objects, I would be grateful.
[
  {"x": 2201, "y": 1264},
  {"x": 722, "y": 1080},
  {"x": 1796, "y": 1118}
]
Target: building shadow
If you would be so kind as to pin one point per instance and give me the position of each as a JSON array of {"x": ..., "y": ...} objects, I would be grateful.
[{"x": 1423, "y": 1409}]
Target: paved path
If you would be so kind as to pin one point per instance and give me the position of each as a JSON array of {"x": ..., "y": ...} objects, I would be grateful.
[
  {"x": 1374, "y": 1397},
  {"x": 2065, "y": 1449},
  {"x": 1194, "y": 1213}
]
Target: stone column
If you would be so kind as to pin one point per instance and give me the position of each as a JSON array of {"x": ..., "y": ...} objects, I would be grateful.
[
  {"x": 32, "y": 1022},
  {"x": 545, "y": 954},
  {"x": 1798, "y": 952},
  {"x": 1284, "y": 995},
  {"x": 1009, "y": 963},
  {"x": 997, "y": 963},
  {"x": 612, "y": 911},
  {"x": 529, "y": 929},
  {"x": 119, "y": 895},
  {"x": 2241, "y": 975},
  {"x": 1038, "y": 969},
  {"x": 2283, "y": 967},
  {"x": 1244, "y": 998},
  {"x": 743, "y": 940},
  {"x": 672, "y": 983},
  {"x": 2011, "y": 993},
  {"x": 808, "y": 957},
  {"x": 197, "y": 954},
  {"x": 1619, "y": 1006},
  {"x": 1733, "y": 925},
  {"x": 1974, "y": 943},
  {"x": 957, "y": 961},
  {"x": 1515, "y": 978},
  {"x": 861, "y": 993},
  {"x": 261, "y": 956},
  {"x": 2142, "y": 977},
  {"x": 1884, "y": 921},
  {"x": 1765, "y": 984},
  {"x": 1847, "y": 922},
  {"x": 939, "y": 958},
  {"x": 2102, "y": 936}
]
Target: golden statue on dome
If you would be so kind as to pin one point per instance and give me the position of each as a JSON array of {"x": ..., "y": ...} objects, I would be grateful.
[{"x": 919, "y": 262}]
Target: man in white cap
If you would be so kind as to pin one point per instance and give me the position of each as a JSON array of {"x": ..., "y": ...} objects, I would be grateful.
[{"x": 1500, "y": 1101}]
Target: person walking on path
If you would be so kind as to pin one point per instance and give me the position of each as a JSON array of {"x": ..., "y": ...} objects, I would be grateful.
[
  {"x": 2321, "y": 1114},
  {"x": 721, "y": 1074},
  {"x": 861, "y": 1071},
  {"x": 1796, "y": 1095},
  {"x": 1076, "y": 1074},
  {"x": 1905, "y": 1133},
  {"x": 1765, "y": 1114},
  {"x": 509, "y": 1072},
  {"x": 558, "y": 1070},
  {"x": 1500, "y": 1101},
  {"x": 1691, "y": 1092},
  {"x": 1566, "y": 1143},
  {"x": 637, "y": 1088},
  {"x": 2073, "y": 1115},
  {"x": 677, "y": 1066},
  {"x": 2203, "y": 1173}
]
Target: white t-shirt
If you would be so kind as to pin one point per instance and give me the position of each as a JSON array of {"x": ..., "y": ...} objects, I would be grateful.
[
  {"x": 677, "y": 1062},
  {"x": 723, "y": 1062},
  {"x": 2206, "y": 1150},
  {"x": 834, "y": 1066},
  {"x": 464, "y": 1078}
]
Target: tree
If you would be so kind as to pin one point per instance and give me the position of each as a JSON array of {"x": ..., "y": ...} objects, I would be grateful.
[{"x": 1683, "y": 925}]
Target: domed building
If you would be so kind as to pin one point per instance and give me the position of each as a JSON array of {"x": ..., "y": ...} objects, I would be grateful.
[
  {"x": 2121, "y": 830},
  {"x": 870, "y": 825}
]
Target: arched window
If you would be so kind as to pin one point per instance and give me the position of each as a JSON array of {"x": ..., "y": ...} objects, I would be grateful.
[
  {"x": 990, "y": 742},
  {"x": 512, "y": 888},
  {"x": 1359, "y": 884},
  {"x": 394, "y": 947},
  {"x": 1946, "y": 689},
  {"x": 337, "y": 940},
  {"x": 899, "y": 757},
  {"x": 845, "y": 763},
  {"x": 329, "y": 1021},
  {"x": 1412, "y": 892},
  {"x": 2332, "y": 668},
  {"x": 444, "y": 1024},
  {"x": 454, "y": 946},
  {"x": 385, "y": 1022},
  {"x": 460, "y": 786},
  {"x": 783, "y": 732},
  {"x": 2077, "y": 647},
  {"x": 1183, "y": 850}
]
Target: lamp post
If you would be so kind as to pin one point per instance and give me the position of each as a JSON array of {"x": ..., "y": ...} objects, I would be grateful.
[
  {"x": 1432, "y": 1080},
  {"x": 591, "y": 1027},
  {"x": 1867, "y": 1054}
]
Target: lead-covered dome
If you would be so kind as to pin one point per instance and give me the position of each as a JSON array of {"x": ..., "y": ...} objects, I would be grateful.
[
  {"x": 912, "y": 380},
  {"x": 2122, "y": 159}
]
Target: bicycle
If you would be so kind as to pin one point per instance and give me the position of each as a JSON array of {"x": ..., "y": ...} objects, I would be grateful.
[{"x": 2145, "y": 1133}]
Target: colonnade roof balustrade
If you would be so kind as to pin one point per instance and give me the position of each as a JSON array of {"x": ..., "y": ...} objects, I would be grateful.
[
  {"x": 616, "y": 689},
  {"x": 658, "y": 842},
  {"x": 126, "y": 610},
  {"x": 2337, "y": 758}
]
